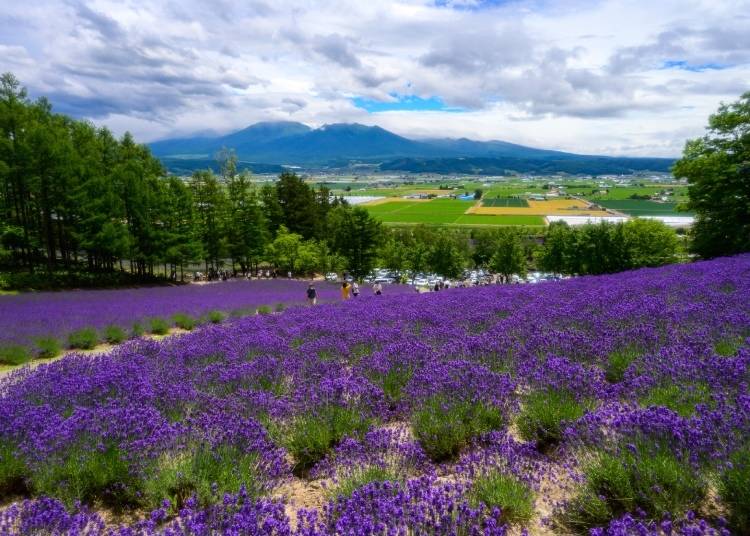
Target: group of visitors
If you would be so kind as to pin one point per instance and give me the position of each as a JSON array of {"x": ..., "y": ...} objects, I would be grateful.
[{"x": 348, "y": 290}]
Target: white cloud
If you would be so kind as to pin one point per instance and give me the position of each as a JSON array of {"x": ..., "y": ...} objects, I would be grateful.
[{"x": 579, "y": 76}]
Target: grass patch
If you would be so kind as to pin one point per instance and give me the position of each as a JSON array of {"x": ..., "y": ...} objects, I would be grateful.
[
  {"x": 47, "y": 347},
  {"x": 545, "y": 414},
  {"x": 206, "y": 472},
  {"x": 264, "y": 310},
  {"x": 308, "y": 438},
  {"x": 158, "y": 326},
  {"x": 728, "y": 347},
  {"x": 13, "y": 471},
  {"x": 679, "y": 398},
  {"x": 651, "y": 480},
  {"x": 393, "y": 382},
  {"x": 83, "y": 339},
  {"x": 514, "y": 498},
  {"x": 215, "y": 317},
  {"x": 87, "y": 475},
  {"x": 444, "y": 427},
  {"x": 114, "y": 334},
  {"x": 734, "y": 490},
  {"x": 183, "y": 321},
  {"x": 360, "y": 477},
  {"x": 618, "y": 362}
]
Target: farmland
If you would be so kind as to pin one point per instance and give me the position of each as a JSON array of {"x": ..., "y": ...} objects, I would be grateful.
[
  {"x": 638, "y": 207},
  {"x": 614, "y": 403}
]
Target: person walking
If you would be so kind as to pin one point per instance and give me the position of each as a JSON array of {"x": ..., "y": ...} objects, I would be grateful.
[
  {"x": 377, "y": 288},
  {"x": 312, "y": 295},
  {"x": 355, "y": 289},
  {"x": 345, "y": 291}
]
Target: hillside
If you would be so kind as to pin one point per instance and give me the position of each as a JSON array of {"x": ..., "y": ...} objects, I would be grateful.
[
  {"x": 337, "y": 145},
  {"x": 470, "y": 411}
]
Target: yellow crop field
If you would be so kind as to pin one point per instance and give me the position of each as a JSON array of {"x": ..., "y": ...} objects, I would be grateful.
[{"x": 556, "y": 207}]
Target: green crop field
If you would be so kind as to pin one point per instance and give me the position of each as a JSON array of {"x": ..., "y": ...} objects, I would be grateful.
[
  {"x": 443, "y": 211},
  {"x": 637, "y": 207},
  {"x": 505, "y": 219},
  {"x": 504, "y": 202}
]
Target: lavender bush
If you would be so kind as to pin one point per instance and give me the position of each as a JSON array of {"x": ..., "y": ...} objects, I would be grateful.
[{"x": 205, "y": 431}]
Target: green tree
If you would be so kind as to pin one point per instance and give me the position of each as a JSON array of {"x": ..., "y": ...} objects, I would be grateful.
[
  {"x": 210, "y": 208},
  {"x": 509, "y": 257},
  {"x": 298, "y": 205},
  {"x": 446, "y": 256},
  {"x": 649, "y": 243},
  {"x": 717, "y": 167},
  {"x": 356, "y": 236},
  {"x": 559, "y": 249}
]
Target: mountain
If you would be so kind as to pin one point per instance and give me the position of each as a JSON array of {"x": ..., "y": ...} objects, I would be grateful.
[{"x": 290, "y": 143}]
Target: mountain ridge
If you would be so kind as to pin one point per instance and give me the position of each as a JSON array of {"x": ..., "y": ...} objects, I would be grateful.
[{"x": 293, "y": 143}]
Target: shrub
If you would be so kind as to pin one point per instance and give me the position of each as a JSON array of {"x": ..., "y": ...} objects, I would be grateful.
[
  {"x": 137, "y": 330},
  {"x": 86, "y": 475},
  {"x": 618, "y": 362},
  {"x": 184, "y": 321},
  {"x": 361, "y": 477},
  {"x": 47, "y": 347},
  {"x": 639, "y": 478},
  {"x": 443, "y": 427},
  {"x": 215, "y": 317},
  {"x": 158, "y": 326},
  {"x": 393, "y": 382},
  {"x": 679, "y": 398},
  {"x": 545, "y": 414},
  {"x": 264, "y": 310},
  {"x": 13, "y": 471},
  {"x": 84, "y": 339},
  {"x": 204, "y": 471},
  {"x": 514, "y": 498},
  {"x": 734, "y": 490},
  {"x": 114, "y": 334},
  {"x": 308, "y": 438}
]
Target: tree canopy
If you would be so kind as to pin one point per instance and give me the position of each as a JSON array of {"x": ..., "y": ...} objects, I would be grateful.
[{"x": 717, "y": 167}]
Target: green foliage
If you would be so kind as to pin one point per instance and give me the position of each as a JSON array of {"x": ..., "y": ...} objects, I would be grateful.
[
  {"x": 309, "y": 437},
  {"x": 137, "y": 330},
  {"x": 361, "y": 477},
  {"x": 279, "y": 307},
  {"x": 177, "y": 476},
  {"x": 215, "y": 317},
  {"x": 183, "y": 321},
  {"x": 114, "y": 334},
  {"x": 650, "y": 479},
  {"x": 734, "y": 490},
  {"x": 728, "y": 347},
  {"x": 681, "y": 399},
  {"x": 393, "y": 382},
  {"x": 86, "y": 475},
  {"x": 717, "y": 167},
  {"x": 47, "y": 347},
  {"x": 509, "y": 257},
  {"x": 356, "y": 236},
  {"x": 618, "y": 362},
  {"x": 497, "y": 490},
  {"x": 264, "y": 310},
  {"x": 649, "y": 243},
  {"x": 83, "y": 339},
  {"x": 13, "y": 471},
  {"x": 544, "y": 415},
  {"x": 443, "y": 427},
  {"x": 158, "y": 326}
]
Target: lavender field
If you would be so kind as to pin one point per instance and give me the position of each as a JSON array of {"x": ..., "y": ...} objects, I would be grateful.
[
  {"x": 26, "y": 317},
  {"x": 598, "y": 405}
]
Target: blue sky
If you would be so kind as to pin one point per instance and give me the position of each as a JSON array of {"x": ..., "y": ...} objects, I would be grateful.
[{"x": 612, "y": 77}]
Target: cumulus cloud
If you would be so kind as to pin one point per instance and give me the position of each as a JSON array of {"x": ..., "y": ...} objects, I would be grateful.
[{"x": 600, "y": 76}]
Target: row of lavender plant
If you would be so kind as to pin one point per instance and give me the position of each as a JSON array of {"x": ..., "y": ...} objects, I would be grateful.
[
  {"x": 450, "y": 413},
  {"x": 44, "y": 322}
]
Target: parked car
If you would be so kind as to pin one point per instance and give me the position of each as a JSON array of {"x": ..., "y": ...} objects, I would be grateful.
[{"x": 332, "y": 276}]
